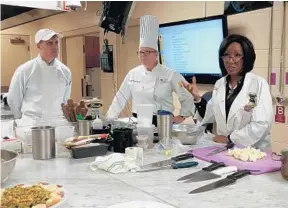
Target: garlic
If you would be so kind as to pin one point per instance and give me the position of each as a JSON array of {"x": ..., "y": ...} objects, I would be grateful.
[{"x": 248, "y": 154}]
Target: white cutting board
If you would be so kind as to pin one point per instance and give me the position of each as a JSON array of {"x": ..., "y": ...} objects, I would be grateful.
[{"x": 141, "y": 204}]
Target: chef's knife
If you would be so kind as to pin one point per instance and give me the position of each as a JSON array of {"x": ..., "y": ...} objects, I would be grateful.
[
  {"x": 168, "y": 162},
  {"x": 230, "y": 179},
  {"x": 212, "y": 175},
  {"x": 205, "y": 170},
  {"x": 221, "y": 149},
  {"x": 173, "y": 166}
]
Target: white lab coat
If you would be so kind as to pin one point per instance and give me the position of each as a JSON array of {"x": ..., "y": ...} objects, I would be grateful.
[
  {"x": 245, "y": 128},
  {"x": 37, "y": 91},
  {"x": 152, "y": 87}
]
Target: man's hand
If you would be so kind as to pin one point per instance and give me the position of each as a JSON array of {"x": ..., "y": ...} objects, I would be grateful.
[
  {"x": 221, "y": 139},
  {"x": 178, "y": 119}
]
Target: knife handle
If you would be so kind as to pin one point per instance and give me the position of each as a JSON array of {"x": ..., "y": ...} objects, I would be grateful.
[
  {"x": 182, "y": 157},
  {"x": 184, "y": 165},
  {"x": 239, "y": 174},
  {"x": 230, "y": 145},
  {"x": 214, "y": 166}
]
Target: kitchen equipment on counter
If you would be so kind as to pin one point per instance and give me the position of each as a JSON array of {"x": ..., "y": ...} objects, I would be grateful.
[
  {"x": 145, "y": 114},
  {"x": 229, "y": 180},
  {"x": 147, "y": 131},
  {"x": 213, "y": 174},
  {"x": 11, "y": 144},
  {"x": 264, "y": 165},
  {"x": 221, "y": 149},
  {"x": 43, "y": 142},
  {"x": 142, "y": 141},
  {"x": 89, "y": 150},
  {"x": 168, "y": 162},
  {"x": 164, "y": 126},
  {"x": 8, "y": 161},
  {"x": 284, "y": 161},
  {"x": 185, "y": 133},
  {"x": 84, "y": 127},
  {"x": 123, "y": 137},
  {"x": 172, "y": 166},
  {"x": 203, "y": 172}
]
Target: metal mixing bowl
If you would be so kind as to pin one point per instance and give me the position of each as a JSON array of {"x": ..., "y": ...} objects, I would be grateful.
[
  {"x": 185, "y": 133},
  {"x": 8, "y": 160}
]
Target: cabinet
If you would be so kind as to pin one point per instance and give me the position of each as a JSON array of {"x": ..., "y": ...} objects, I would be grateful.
[{"x": 92, "y": 51}]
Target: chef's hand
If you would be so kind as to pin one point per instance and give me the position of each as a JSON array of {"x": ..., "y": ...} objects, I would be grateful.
[
  {"x": 221, "y": 139},
  {"x": 178, "y": 119},
  {"x": 192, "y": 88}
]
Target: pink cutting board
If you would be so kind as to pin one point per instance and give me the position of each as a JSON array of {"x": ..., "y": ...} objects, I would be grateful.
[{"x": 264, "y": 165}]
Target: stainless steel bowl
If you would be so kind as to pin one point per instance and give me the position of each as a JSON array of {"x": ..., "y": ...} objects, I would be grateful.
[
  {"x": 185, "y": 133},
  {"x": 8, "y": 161}
]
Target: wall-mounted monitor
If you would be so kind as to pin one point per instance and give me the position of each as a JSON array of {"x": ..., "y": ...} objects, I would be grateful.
[{"x": 190, "y": 47}]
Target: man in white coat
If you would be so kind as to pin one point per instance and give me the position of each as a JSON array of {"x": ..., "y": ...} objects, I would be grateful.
[
  {"x": 151, "y": 83},
  {"x": 39, "y": 86}
]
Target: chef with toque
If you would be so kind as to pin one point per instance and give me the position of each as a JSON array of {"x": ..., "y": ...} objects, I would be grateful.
[{"x": 151, "y": 82}]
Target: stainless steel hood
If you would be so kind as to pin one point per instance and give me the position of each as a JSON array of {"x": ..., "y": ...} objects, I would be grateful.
[{"x": 12, "y": 16}]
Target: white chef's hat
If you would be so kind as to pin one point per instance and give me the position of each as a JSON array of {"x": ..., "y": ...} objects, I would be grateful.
[{"x": 149, "y": 26}]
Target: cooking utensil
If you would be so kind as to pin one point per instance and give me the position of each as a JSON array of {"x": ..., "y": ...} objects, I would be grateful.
[
  {"x": 173, "y": 166},
  {"x": 185, "y": 133},
  {"x": 8, "y": 161},
  {"x": 168, "y": 162},
  {"x": 213, "y": 174},
  {"x": 43, "y": 142},
  {"x": 230, "y": 179},
  {"x": 222, "y": 149},
  {"x": 204, "y": 171}
]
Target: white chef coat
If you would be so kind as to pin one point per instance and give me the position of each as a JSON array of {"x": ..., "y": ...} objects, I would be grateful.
[
  {"x": 37, "y": 90},
  {"x": 152, "y": 87},
  {"x": 248, "y": 128}
]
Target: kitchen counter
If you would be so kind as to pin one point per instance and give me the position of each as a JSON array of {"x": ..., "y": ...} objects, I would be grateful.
[{"x": 101, "y": 189}]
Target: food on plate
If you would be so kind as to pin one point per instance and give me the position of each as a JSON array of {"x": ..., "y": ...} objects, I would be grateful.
[
  {"x": 248, "y": 154},
  {"x": 42, "y": 195}
]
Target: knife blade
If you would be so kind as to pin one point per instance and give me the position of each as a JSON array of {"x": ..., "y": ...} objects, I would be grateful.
[
  {"x": 213, "y": 174},
  {"x": 173, "y": 166},
  {"x": 205, "y": 170},
  {"x": 221, "y": 149},
  {"x": 168, "y": 162},
  {"x": 230, "y": 179}
]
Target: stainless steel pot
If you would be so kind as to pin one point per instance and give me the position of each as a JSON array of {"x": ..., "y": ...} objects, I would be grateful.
[{"x": 43, "y": 142}]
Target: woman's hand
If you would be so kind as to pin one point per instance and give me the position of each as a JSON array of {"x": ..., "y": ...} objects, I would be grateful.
[
  {"x": 192, "y": 88},
  {"x": 221, "y": 139}
]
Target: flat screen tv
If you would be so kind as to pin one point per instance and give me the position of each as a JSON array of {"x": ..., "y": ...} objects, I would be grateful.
[{"x": 190, "y": 47}]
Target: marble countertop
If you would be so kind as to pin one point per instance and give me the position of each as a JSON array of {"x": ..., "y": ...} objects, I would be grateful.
[{"x": 100, "y": 189}]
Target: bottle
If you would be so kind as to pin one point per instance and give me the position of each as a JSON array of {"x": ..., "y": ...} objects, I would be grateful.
[{"x": 97, "y": 124}]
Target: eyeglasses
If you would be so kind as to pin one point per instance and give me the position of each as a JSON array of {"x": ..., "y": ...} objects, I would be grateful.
[
  {"x": 235, "y": 58},
  {"x": 145, "y": 53}
]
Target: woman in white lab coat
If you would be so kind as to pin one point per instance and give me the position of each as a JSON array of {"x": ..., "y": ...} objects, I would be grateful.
[
  {"x": 151, "y": 83},
  {"x": 241, "y": 104}
]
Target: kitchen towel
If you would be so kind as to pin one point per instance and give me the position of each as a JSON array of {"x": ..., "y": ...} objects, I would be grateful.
[{"x": 118, "y": 162}]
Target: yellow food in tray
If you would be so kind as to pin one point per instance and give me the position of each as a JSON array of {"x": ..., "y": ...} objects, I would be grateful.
[{"x": 42, "y": 195}]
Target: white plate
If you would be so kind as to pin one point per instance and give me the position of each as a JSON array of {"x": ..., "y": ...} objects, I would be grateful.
[
  {"x": 63, "y": 200},
  {"x": 141, "y": 204}
]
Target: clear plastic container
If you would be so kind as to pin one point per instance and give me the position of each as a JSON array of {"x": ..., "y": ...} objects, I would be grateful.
[
  {"x": 145, "y": 114},
  {"x": 147, "y": 131}
]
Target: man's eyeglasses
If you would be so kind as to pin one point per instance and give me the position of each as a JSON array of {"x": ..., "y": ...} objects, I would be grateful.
[
  {"x": 145, "y": 53},
  {"x": 235, "y": 59}
]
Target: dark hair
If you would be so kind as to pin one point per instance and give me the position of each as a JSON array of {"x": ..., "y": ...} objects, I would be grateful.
[{"x": 249, "y": 55}]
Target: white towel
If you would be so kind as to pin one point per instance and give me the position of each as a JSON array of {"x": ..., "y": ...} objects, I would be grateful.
[{"x": 118, "y": 162}]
